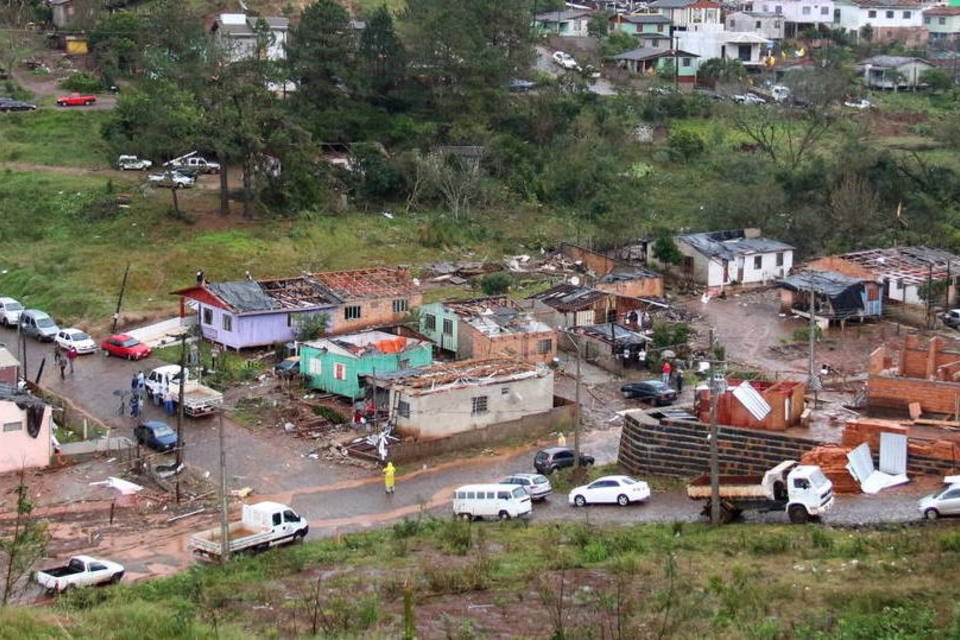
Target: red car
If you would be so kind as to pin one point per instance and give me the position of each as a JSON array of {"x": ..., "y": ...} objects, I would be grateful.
[
  {"x": 124, "y": 346},
  {"x": 75, "y": 100}
]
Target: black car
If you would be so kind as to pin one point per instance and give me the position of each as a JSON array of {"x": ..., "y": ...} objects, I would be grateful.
[
  {"x": 156, "y": 435},
  {"x": 651, "y": 391},
  {"x": 288, "y": 367},
  {"x": 7, "y": 104},
  {"x": 552, "y": 458}
]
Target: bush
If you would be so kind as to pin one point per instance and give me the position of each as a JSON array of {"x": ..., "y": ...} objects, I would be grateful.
[
  {"x": 82, "y": 83},
  {"x": 496, "y": 283},
  {"x": 685, "y": 145}
]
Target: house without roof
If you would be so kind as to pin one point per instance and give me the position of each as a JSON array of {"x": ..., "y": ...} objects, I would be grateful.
[
  {"x": 893, "y": 72},
  {"x": 567, "y": 305},
  {"x": 836, "y": 296}
]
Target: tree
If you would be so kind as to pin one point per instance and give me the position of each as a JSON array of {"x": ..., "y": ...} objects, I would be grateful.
[
  {"x": 381, "y": 55},
  {"x": 788, "y": 139},
  {"x": 16, "y": 38},
  {"x": 458, "y": 179},
  {"x": 938, "y": 79},
  {"x": 117, "y": 43},
  {"x": 684, "y": 144},
  {"x": 599, "y": 25},
  {"x": 23, "y": 546},
  {"x": 666, "y": 250},
  {"x": 721, "y": 70}
]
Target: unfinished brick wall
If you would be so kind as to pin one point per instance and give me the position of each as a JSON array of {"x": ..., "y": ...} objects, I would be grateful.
[
  {"x": 835, "y": 263},
  {"x": 680, "y": 448},
  {"x": 525, "y": 346},
  {"x": 925, "y": 455},
  {"x": 731, "y": 411},
  {"x": 934, "y": 396},
  {"x": 636, "y": 288},
  {"x": 592, "y": 261}
]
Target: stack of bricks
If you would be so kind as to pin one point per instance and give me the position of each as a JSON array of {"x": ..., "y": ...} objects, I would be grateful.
[
  {"x": 868, "y": 430},
  {"x": 832, "y": 460}
]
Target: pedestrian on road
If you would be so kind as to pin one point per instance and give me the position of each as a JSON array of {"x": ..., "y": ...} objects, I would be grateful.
[
  {"x": 642, "y": 358},
  {"x": 665, "y": 372},
  {"x": 168, "y": 402},
  {"x": 57, "y": 355},
  {"x": 135, "y": 406},
  {"x": 561, "y": 440},
  {"x": 134, "y": 384},
  {"x": 679, "y": 378},
  {"x": 141, "y": 384},
  {"x": 71, "y": 357},
  {"x": 63, "y": 368},
  {"x": 388, "y": 478}
]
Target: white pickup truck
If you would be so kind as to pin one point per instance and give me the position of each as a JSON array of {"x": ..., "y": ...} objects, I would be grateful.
[
  {"x": 262, "y": 525},
  {"x": 198, "y": 400},
  {"x": 81, "y": 571},
  {"x": 193, "y": 162}
]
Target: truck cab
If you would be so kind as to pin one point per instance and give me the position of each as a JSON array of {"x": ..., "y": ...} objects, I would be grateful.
[
  {"x": 809, "y": 493},
  {"x": 163, "y": 378}
]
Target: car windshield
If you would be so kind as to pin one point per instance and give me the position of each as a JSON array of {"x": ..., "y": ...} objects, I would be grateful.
[
  {"x": 45, "y": 322},
  {"x": 129, "y": 342},
  {"x": 540, "y": 479},
  {"x": 77, "y": 336},
  {"x": 162, "y": 430},
  {"x": 14, "y": 306},
  {"x": 941, "y": 492}
]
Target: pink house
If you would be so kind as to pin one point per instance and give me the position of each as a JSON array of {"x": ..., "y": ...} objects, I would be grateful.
[{"x": 24, "y": 431}]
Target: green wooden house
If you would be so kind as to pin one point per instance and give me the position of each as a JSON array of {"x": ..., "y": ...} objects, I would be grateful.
[
  {"x": 439, "y": 322},
  {"x": 338, "y": 364}
]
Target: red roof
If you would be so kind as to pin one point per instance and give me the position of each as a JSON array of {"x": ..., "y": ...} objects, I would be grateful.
[
  {"x": 201, "y": 294},
  {"x": 942, "y": 11},
  {"x": 703, "y": 4}
]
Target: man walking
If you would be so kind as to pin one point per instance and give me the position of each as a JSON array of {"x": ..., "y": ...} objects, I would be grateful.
[
  {"x": 679, "y": 378},
  {"x": 665, "y": 372},
  {"x": 168, "y": 402},
  {"x": 71, "y": 357}
]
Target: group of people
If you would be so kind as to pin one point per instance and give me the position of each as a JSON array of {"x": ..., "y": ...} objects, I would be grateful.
[
  {"x": 65, "y": 359},
  {"x": 138, "y": 391},
  {"x": 670, "y": 375}
]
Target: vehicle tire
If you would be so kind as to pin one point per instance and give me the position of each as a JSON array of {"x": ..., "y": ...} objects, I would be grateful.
[
  {"x": 579, "y": 501},
  {"x": 466, "y": 516},
  {"x": 623, "y": 500},
  {"x": 503, "y": 515},
  {"x": 88, "y": 102},
  {"x": 798, "y": 515},
  {"x": 116, "y": 578},
  {"x": 931, "y": 514}
]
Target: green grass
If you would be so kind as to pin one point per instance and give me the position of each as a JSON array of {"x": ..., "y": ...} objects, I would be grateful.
[
  {"x": 669, "y": 581},
  {"x": 50, "y": 136}
]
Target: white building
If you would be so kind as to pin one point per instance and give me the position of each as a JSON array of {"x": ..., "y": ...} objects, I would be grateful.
[
  {"x": 888, "y": 20},
  {"x": 241, "y": 34},
  {"x": 748, "y": 48},
  {"x": 565, "y": 22},
  {"x": 767, "y": 25},
  {"x": 24, "y": 432}
]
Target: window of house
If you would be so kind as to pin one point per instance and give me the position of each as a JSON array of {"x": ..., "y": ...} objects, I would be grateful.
[
  {"x": 478, "y": 405},
  {"x": 900, "y": 283},
  {"x": 778, "y": 9},
  {"x": 340, "y": 371},
  {"x": 352, "y": 312},
  {"x": 399, "y": 305},
  {"x": 733, "y": 25},
  {"x": 889, "y": 15},
  {"x": 314, "y": 366},
  {"x": 430, "y": 322},
  {"x": 824, "y": 11},
  {"x": 806, "y": 11},
  {"x": 766, "y": 8},
  {"x": 208, "y": 316},
  {"x": 907, "y": 15},
  {"x": 659, "y": 28},
  {"x": 403, "y": 409},
  {"x": 685, "y": 62},
  {"x": 776, "y": 24},
  {"x": 871, "y": 14},
  {"x": 447, "y": 327},
  {"x": 757, "y": 25},
  {"x": 757, "y": 262},
  {"x": 12, "y": 426},
  {"x": 941, "y": 21},
  {"x": 227, "y": 322},
  {"x": 544, "y": 346},
  {"x": 926, "y": 19},
  {"x": 504, "y": 390},
  {"x": 780, "y": 259}
]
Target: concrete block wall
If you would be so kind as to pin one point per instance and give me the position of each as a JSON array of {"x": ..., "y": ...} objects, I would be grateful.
[{"x": 649, "y": 446}]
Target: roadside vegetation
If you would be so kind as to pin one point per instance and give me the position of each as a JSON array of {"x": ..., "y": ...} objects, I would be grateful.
[{"x": 443, "y": 578}]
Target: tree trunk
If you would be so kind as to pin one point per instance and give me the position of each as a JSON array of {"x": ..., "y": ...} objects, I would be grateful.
[
  {"x": 176, "y": 202},
  {"x": 247, "y": 188},
  {"x": 224, "y": 186}
]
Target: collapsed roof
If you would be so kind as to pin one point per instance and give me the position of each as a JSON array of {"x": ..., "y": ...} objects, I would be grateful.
[
  {"x": 464, "y": 373},
  {"x": 729, "y": 244}
]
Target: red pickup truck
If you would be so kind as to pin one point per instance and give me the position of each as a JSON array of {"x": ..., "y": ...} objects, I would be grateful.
[{"x": 75, "y": 100}]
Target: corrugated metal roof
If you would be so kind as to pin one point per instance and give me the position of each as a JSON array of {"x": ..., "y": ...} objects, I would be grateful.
[
  {"x": 243, "y": 295},
  {"x": 568, "y": 297},
  {"x": 731, "y": 243},
  {"x": 608, "y": 331},
  {"x": 751, "y": 399}
]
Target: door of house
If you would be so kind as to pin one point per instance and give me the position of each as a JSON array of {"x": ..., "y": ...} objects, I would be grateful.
[{"x": 726, "y": 271}]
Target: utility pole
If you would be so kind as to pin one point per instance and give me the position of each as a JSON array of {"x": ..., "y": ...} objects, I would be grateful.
[
  {"x": 224, "y": 529},
  {"x": 718, "y": 385},
  {"x": 813, "y": 381},
  {"x": 183, "y": 380},
  {"x": 578, "y": 423},
  {"x": 123, "y": 287}
]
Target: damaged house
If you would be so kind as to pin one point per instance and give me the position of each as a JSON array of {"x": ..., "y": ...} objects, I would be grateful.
[
  {"x": 613, "y": 276},
  {"x": 837, "y": 297},
  {"x": 255, "y": 313},
  {"x": 488, "y": 327},
  {"x": 770, "y": 406},
  {"x": 338, "y": 364},
  {"x": 567, "y": 305},
  {"x": 927, "y": 376},
  {"x": 454, "y": 397},
  {"x": 609, "y": 346},
  {"x": 25, "y": 438},
  {"x": 736, "y": 257}
]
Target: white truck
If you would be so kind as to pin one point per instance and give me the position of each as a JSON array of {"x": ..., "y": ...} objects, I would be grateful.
[
  {"x": 81, "y": 571},
  {"x": 800, "y": 490},
  {"x": 193, "y": 161},
  {"x": 198, "y": 400},
  {"x": 133, "y": 163},
  {"x": 262, "y": 525}
]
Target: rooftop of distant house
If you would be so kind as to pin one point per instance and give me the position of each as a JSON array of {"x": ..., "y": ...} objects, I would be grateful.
[
  {"x": 909, "y": 265},
  {"x": 366, "y": 343},
  {"x": 463, "y": 373},
  {"x": 496, "y": 315},
  {"x": 733, "y": 242}
]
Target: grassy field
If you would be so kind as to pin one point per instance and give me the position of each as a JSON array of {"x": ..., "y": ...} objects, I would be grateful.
[
  {"x": 55, "y": 137},
  {"x": 441, "y": 578}
]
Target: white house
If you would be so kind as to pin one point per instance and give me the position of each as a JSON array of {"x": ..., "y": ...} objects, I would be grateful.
[
  {"x": 888, "y": 20},
  {"x": 893, "y": 72},
  {"x": 943, "y": 24},
  {"x": 241, "y": 33},
  {"x": 741, "y": 257},
  {"x": 24, "y": 432},
  {"x": 797, "y": 15},
  {"x": 768, "y": 25},
  {"x": 748, "y": 48},
  {"x": 690, "y": 15},
  {"x": 564, "y": 22}
]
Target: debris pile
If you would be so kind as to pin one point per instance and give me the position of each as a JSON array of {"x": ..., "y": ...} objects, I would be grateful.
[{"x": 832, "y": 460}]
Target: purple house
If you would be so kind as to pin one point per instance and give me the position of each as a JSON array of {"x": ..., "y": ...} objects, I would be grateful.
[{"x": 256, "y": 313}]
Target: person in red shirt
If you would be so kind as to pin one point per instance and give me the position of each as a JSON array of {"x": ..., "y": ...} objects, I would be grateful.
[{"x": 665, "y": 371}]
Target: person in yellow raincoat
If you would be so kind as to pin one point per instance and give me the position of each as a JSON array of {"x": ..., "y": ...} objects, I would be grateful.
[{"x": 388, "y": 473}]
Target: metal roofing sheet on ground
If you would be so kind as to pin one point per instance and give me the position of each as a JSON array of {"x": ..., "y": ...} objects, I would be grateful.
[
  {"x": 751, "y": 399},
  {"x": 893, "y": 453}
]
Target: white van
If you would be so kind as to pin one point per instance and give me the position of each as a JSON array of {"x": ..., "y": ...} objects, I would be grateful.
[
  {"x": 10, "y": 309},
  {"x": 501, "y": 501}
]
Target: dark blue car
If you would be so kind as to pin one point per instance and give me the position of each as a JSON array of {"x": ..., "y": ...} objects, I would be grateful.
[{"x": 156, "y": 435}]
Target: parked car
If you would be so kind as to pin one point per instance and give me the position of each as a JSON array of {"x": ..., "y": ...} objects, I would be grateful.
[
  {"x": 501, "y": 501},
  {"x": 951, "y": 318},
  {"x": 81, "y": 571},
  {"x": 650, "y": 391},
  {"x": 552, "y": 458},
  {"x": 10, "y": 309},
  {"x": 37, "y": 324},
  {"x": 156, "y": 435},
  {"x": 8, "y": 104},
  {"x": 172, "y": 179},
  {"x": 288, "y": 367},
  {"x": 518, "y": 85},
  {"x": 565, "y": 60},
  {"x": 748, "y": 98},
  {"x": 536, "y": 484},
  {"x": 124, "y": 346},
  {"x": 861, "y": 104},
  {"x": 76, "y": 100},
  {"x": 945, "y": 502},
  {"x": 75, "y": 338},
  {"x": 133, "y": 163},
  {"x": 621, "y": 490}
]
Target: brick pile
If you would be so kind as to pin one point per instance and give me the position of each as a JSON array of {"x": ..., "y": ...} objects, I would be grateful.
[{"x": 832, "y": 459}]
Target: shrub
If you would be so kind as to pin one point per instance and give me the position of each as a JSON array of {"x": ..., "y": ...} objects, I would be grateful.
[
  {"x": 496, "y": 283},
  {"x": 685, "y": 145},
  {"x": 82, "y": 83}
]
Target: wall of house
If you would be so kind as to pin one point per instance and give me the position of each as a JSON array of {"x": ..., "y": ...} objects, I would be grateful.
[
  {"x": 374, "y": 312},
  {"x": 596, "y": 262},
  {"x": 321, "y": 368},
  {"x": 446, "y": 341},
  {"x": 805, "y": 11},
  {"x": 934, "y": 396},
  {"x": 649, "y": 446},
  {"x": 853, "y": 17},
  {"x": 525, "y": 346},
  {"x": 636, "y": 288},
  {"x": 18, "y": 450},
  {"x": 786, "y": 406},
  {"x": 247, "y": 331},
  {"x": 442, "y": 413}
]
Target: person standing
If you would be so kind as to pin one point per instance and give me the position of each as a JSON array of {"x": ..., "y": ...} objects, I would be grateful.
[
  {"x": 679, "y": 378},
  {"x": 388, "y": 478},
  {"x": 665, "y": 372},
  {"x": 168, "y": 402},
  {"x": 642, "y": 358},
  {"x": 141, "y": 384},
  {"x": 71, "y": 357},
  {"x": 63, "y": 368}
]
